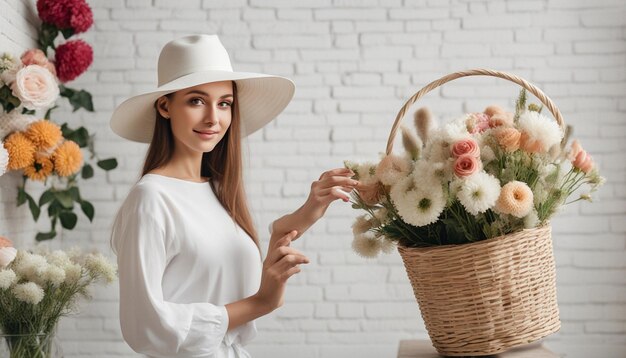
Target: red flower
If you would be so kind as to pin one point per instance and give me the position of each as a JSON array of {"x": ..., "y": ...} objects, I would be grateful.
[
  {"x": 72, "y": 59},
  {"x": 63, "y": 14}
]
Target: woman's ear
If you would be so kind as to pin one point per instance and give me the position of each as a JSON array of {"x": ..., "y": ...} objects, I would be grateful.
[{"x": 162, "y": 104}]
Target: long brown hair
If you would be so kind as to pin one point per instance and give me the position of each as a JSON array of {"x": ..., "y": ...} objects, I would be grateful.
[{"x": 223, "y": 165}]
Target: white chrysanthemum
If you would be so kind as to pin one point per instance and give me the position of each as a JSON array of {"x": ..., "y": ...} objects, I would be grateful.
[
  {"x": 438, "y": 148},
  {"x": 456, "y": 130},
  {"x": 4, "y": 158},
  {"x": 367, "y": 173},
  {"x": 392, "y": 168},
  {"x": 361, "y": 225},
  {"x": 540, "y": 128},
  {"x": 14, "y": 121},
  {"x": 421, "y": 206},
  {"x": 531, "y": 220},
  {"x": 479, "y": 192},
  {"x": 73, "y": 273},
  {"x": 7, "y": 278},
  {"x": 99, "y": 266},
  {"x": 366, "y": 245},
  {"x": 55, "y": 275},
  {"x": 427, "y": 174},
  {"x": 28, "y": 292},
  {"x": 400, "y": 188}
]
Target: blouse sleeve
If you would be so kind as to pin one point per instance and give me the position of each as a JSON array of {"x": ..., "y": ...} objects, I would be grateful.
[{"x": 149, "y": 324}]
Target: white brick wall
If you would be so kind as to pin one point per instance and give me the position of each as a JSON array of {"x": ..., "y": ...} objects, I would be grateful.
[{"x": 355, "y": 63}]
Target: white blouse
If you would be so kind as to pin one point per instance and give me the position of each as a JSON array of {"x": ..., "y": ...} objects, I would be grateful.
[{"x": 181, "y": 259}]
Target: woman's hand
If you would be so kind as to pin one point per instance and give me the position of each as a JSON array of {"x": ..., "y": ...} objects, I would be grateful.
[
  {"x": 332, "y": 185},
  {"x": 281, "y": 263}
]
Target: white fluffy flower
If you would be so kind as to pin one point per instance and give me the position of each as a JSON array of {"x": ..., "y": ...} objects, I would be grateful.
[
  {"x": 55, "y": 275},
  {"x": 14, "y": 121},
  {"x": 386, "y": 246},
  {"x": 382, "y": 216},
  {"x": 28, "y": 292},
  {"x": 367, "y": 245},
  {"x": 31, "y": 266},
  {"x": 361, "y": 225},
  {"x": 367, "y": 173},
  {"x": 421, "y": 206},
  {"x": 58, "y": 258},
  {"x": 456, "y": 130},
  {"x": 479, "y": 192},
  {"x": 392, "y": 168},
  {"x": 99, "y": 266},
  {"x": 531, "y": 220},
  {"x": 73, "y": 273},
  {"x": 538, "y": 131},
  {"x": 7, "y": 278},
  {"x": 487, "y": 154},
  {"x": 427, "y": 174},
  {"x": 4, "y": 158},
  {"x": 400, "y": 188}
]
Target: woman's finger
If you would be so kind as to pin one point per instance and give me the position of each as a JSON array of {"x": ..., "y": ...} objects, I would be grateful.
[{"x": 336, "y": 171}]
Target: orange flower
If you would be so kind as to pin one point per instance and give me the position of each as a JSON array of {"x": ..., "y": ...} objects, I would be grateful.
[
  {"x": 44, "y": 134},
  {"x": 21, "y": 151},
  {"x": 40, "y": 169},
  {"x": 516, "y": 199},
  {"x": 67, "y": 158},
  {"x": 508, "y": 138}
]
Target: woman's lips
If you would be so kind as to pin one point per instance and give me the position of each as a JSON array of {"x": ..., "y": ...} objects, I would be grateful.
[{"x": 205, "y": 135}]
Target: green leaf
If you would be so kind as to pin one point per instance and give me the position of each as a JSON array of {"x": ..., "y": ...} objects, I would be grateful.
[
  {"x": 108, "y": 164},
  {"x": 75, "y": 193},
  {"x": 54, "y": 208},
  {"x": 46, "y": 197},
  {"x": 21, "y": 196},
  {"x": 34, "y": 208},
  {"x": 47, "y": 115},
  {"x": 78, "y": 98},
  {"x": 88, "y": 209},
  {"x": 47, "y": 34},
  {"x": 68, "y": 219},
  {"x": 87, "y": 171},
  {"x": 65, "y": 199},
  {"x": 41, "y": 236},
  {"x": 28, "y": 111},
  {"x": 67, "y": 33},
  {"x": 8, "y": 101},
  {"x": 80, "y": 135}
]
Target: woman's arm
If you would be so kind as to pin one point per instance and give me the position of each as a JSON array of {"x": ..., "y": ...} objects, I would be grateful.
[{"x": 324, "y": 191}]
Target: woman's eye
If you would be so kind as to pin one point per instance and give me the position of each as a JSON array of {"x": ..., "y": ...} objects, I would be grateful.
[
  {"x": 225, "y": 104},
  {"x": 194, "y": 101}
]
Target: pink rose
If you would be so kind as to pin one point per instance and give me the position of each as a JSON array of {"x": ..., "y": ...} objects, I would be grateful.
[
  {"x": 583, "y": 161},
  {"x": 36, "y": 87},
  {"x": 34, "y": 56},
  {"x": 465, "y": 146},
  {"x": 4, "y": 242},
  {"x": 7, "y": 255},
  {"x": 576, "y": 148},
  {"x": 466, "y": 165},
  {"x": 477, "y": 123}
]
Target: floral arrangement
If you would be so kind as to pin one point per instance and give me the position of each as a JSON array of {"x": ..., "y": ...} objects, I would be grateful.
[
  {"x": 481, "y": 176},
  {"x": 35, "y": 144},
  {"x": 38, "y": 288}
]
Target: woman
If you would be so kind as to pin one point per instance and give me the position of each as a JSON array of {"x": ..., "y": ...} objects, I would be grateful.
[{"x": 191, "y": 277}]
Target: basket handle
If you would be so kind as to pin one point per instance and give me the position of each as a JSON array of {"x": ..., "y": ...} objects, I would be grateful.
[{"x": 474, "y": 72}]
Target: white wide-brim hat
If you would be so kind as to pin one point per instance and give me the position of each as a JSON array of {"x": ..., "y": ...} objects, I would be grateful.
[{"x": 197, "y": 59}]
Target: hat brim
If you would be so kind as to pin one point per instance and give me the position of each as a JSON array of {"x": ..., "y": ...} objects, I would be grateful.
[{"x": 260, "y": 97}]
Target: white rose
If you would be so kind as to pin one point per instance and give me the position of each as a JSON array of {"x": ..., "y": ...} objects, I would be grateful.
[{"x": 36, "y": 87}]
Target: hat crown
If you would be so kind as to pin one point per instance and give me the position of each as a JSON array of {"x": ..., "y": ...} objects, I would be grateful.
[{"x": 189, "y": 54}]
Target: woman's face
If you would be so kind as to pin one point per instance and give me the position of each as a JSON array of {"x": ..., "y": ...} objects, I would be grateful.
[{"x": 199, "y": 115}]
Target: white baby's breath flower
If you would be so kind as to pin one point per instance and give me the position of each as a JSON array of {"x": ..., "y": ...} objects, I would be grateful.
[
  {"x": 7, "y": 278},
  {"x": 539, "y": 132},
  {"x": 421, "y": 206},
  {"x": 479, "y": 192},
  {"x": 366, "y": 245},
  {"x": 28, "y": 292},
  {"x": 99, "y": 266}
]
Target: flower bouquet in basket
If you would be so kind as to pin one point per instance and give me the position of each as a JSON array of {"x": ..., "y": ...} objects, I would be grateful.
[
  {"x": 468, "y": 206},
  {"x": 37, "y": 288}
]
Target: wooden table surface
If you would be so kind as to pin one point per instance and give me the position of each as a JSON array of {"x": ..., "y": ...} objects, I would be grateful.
[{"x": 425, "y": 349}]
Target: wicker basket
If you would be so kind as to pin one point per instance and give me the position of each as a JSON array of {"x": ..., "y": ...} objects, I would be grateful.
[{"x": 488, "y": 296}]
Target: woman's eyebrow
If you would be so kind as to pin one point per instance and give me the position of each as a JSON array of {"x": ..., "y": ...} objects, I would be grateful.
[{"x": 206, "y": 94}]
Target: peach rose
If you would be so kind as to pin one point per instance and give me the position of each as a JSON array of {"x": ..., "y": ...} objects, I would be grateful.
[
  {"x": 508, "y": 138},
  {"x": 36, "y": 87},
  {"x": 477, "y": 123},
  {"x": 465, "y": 146},
  {"x": 501, "y": 120},
  {"x": 7, "y": 255},
  {"x": 466, "y": 165},
  {"x": 37, "y": 57},
  {"x": 576, "y": 148},
  {"x": 583, "y": 161},
  {"x": 531, "y": 145}
]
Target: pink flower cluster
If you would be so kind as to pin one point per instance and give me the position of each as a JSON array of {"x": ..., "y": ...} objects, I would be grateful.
[
  {"x": 467, "y": 154},
  {"x": 579, "y": 158}
]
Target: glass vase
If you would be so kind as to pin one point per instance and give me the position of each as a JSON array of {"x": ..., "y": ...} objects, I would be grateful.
[{"x": 30, "y": 345}]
